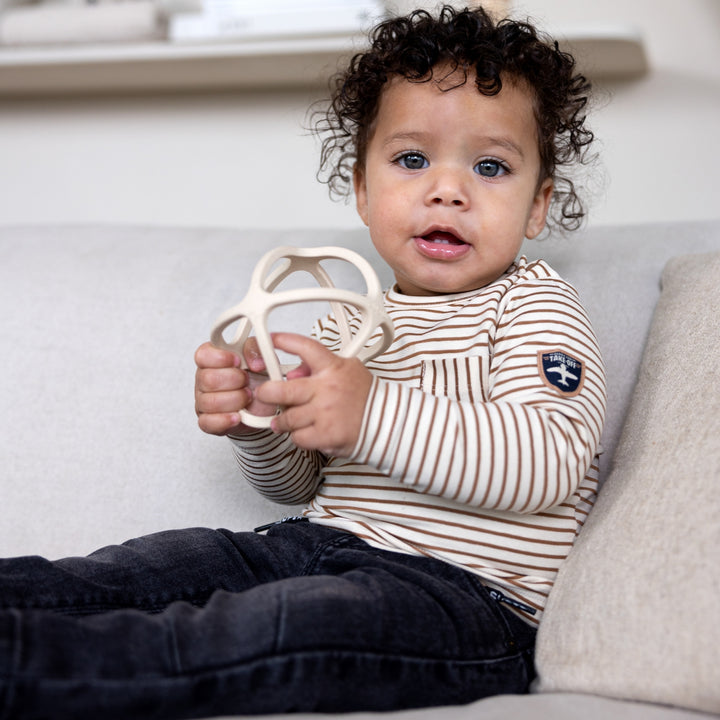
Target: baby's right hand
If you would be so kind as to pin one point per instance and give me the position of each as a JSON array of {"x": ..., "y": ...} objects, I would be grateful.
[{"x": 223, "y": 388}]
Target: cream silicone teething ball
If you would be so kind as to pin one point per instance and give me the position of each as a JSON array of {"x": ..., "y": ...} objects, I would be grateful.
[{"x": 253, "y": 310}]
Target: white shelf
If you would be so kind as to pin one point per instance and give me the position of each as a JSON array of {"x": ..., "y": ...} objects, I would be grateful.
[{"x": 301, "y": 62}]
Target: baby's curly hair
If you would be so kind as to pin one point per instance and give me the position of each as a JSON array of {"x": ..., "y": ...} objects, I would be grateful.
[{"x": 465, "y": 40}]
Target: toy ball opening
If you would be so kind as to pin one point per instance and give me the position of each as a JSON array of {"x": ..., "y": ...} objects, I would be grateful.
[{"x": 364, "y": 326}]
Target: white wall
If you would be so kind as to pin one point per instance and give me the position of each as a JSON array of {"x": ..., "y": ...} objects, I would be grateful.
[
  {"x": 660, "y": 135},
  {"x": 220, "y": 160},
  {"x": 245, "y": 159}
]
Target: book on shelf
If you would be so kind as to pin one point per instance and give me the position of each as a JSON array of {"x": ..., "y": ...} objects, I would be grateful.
[{"x": 255, "y": 19}]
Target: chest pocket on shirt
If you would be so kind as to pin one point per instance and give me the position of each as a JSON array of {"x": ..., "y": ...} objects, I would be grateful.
[{"x": 457, "y": 377}]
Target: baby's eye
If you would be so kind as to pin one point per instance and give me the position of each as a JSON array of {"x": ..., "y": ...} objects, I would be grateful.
[
  {"x": 412, "y": 161},
  {"x": 490, "y": 168}
]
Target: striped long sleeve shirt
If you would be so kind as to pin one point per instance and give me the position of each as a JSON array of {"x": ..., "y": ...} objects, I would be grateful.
[{"x": 479, "y": 439}]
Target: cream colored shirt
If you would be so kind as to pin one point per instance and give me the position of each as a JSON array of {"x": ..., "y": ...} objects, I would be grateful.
[{"x": 479, "y": 440}]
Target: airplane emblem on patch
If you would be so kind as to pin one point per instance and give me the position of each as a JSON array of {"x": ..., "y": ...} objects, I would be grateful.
[{"x": 561, "y": 372}]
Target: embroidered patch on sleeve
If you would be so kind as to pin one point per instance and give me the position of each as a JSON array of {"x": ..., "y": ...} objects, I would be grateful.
[{"x": 561, "y": 372}]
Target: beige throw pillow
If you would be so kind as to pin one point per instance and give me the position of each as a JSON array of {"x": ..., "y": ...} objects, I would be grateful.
[{"x": 635, "y": 610}]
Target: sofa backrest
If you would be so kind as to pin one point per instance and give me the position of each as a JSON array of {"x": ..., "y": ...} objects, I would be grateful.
[
  {"x": 99, "y": 439},
  {"x": 617, "y": 273}
]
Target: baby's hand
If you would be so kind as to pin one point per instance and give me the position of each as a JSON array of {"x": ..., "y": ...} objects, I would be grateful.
[
  {"x": 223, "y": 388},
  {"x": 324, "y": 402}
]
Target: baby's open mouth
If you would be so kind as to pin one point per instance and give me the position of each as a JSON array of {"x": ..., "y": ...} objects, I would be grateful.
[
  {"x": 442, "y": 245},
  {"x": 443, "y": 238}
]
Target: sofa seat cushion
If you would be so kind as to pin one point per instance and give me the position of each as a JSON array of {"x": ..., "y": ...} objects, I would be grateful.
[
  {"x": 634, "y": 611},
  {"x": 547, "y": 706}
]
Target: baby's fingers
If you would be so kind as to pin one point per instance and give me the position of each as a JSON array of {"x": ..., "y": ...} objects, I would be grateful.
[
  {"x": 209, "y": 356},
  {"x": 218, "y": 411},
  {"x": 218, "y": 423},
  {"x": 212, "y": 380},
  {"x": 253, "y": 356}
]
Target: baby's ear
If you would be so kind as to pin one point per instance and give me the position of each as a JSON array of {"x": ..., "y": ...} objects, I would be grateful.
[
  {"x": 539, "y": 209},
  {"x": 360, "y": 187}
]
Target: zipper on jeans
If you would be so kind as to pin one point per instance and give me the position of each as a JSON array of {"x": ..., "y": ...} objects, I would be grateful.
[
  {"x": 499, "y": 597},
  {"x": 290, "y": 518}
]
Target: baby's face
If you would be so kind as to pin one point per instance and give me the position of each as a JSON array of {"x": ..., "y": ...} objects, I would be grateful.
[{"x": 450, "y": 188}]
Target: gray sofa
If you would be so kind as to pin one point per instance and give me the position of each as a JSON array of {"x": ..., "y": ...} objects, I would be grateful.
[{"x": 99, "y": 439}]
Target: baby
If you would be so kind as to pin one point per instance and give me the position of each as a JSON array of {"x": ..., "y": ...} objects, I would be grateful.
[
  {"x": 444, "y": 483},
  {"x": 471, "y": 441}
]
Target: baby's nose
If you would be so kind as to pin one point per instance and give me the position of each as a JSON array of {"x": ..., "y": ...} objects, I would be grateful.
[{"x": 449, "y": 188}]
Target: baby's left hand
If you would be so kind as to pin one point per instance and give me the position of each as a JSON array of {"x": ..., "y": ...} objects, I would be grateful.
[{"x": 324, "y": 406}]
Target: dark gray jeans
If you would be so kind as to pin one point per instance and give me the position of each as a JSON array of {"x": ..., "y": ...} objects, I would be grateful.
[{"x": 198, "y": 622}]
